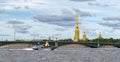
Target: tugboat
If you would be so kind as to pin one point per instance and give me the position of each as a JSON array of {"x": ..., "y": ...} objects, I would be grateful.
[
  {"x": 38, "y": 47},
  {"x": 45, "y": 46}
]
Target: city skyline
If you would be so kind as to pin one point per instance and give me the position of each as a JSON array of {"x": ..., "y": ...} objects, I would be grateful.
[{"x": 36, "y": 19}]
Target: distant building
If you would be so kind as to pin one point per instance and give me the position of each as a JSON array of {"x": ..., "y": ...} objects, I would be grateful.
[
  {"x": 84, "y": 37},
  {"x": 100, "y": 36}
]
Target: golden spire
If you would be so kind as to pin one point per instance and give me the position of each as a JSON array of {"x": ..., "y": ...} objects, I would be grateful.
[
  {"x": 84, "y": 37},
  {"x": 76, "y": 35},
  {"x": 77, "y": 18},
  {"x": 100, "y": 36}
]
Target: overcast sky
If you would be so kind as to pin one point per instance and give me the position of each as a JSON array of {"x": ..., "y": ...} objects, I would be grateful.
[{"x": 35, "y": 19}]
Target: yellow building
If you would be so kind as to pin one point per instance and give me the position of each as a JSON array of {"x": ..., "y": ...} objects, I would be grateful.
[
  {"x": 76, "y": 35},
  {"x": 84, "y": 37},
  {"x": 100, "y": 36}
]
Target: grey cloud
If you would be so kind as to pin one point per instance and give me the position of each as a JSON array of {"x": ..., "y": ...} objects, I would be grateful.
[
  {"x": 14, "y": 21},
  {"x": 66, "y": 12},
  {"x": 97, "y": 4},
  {"x": 84, "y": 14},
  {"x": 22, "y": 31},
  {"x": 113, "y": 22},
  {"x": 111, "y": 18},
  {"x": 19, "y": 26},
  {"x": 67, "y": 18},
  {"x": 61, "y": 29},
  {"x": 40, "y": 3},
  {"x": 27, "y": 7},
  {"x": 4, "y": 35},
  {"x": 35, "y": 34},
  {"x": 2, "y": 10},
  {"x": 117, "y": 28},
  {"x": 61, "y": 20},
  {"x": 81, "y": 0},
  {"x": 22, "y": 28},
  {"x": 58, "y": 34},
  {"x": 110, "y": 24},
  {"x": 17, "y": 7},
  {"x": 23, "y": 7}
]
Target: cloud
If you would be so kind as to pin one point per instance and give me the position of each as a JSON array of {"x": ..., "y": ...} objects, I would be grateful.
[
  {"x": 22, "y": 28},
  {"x": 81, "y": 0},
  {"x": 97, "y": 4},
  {"x": 21, "y": 4},
  {"x": 14, "y": 21},
  {"x": 109, "y": 24},
  {"x": 84, "y": 13},
  {"x": 67, "y": 18},
  {"x": 117, "y": 28},
  {"x": 66, "y": 12},
  {"x": 18, "y": 25},
  {"x": 113, "y": 22},
  {"x": 9, "y": 5},
  {"x": 61, "y": 29},
  {"x": 60, "y": 20},
  {"x": 22, "y": 31},
  {"x": 4, "y": 35},
  {"x": 34, "y": 34},
  {"x": 111, "y": 18},
  {"x": 2, "y": 10}
]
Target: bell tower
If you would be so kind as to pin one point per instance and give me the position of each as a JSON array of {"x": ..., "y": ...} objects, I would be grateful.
[{"x": 76, "y": 35}]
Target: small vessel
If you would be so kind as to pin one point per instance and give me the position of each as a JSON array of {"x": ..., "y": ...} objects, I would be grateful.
[
  {"x": 45, "y": 46},
  {"x": 41, "y": 46}
]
